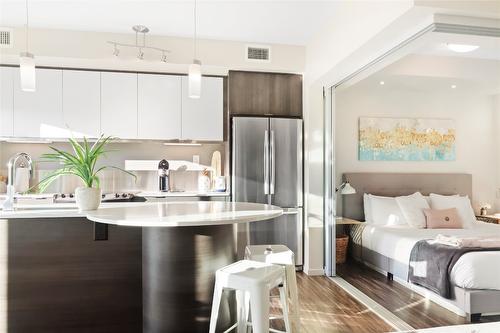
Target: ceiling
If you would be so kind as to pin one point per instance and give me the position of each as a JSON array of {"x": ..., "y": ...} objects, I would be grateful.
[
  {"x": 432, "y": 67},
  {"x": 282, "y": 22},
  {"x": 489, "y": 47}
]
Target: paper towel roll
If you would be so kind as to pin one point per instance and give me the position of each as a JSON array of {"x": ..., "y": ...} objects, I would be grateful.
[{"x": 22, "y": 180}]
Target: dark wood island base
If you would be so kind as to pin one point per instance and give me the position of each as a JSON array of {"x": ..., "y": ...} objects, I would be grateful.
[{"x": 178, "y": 272}]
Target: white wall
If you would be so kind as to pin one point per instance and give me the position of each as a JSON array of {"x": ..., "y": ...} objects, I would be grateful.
[
  {"x": 352, "y": 25},
  {"x": 85, "y": 49},
  {"x": 475, "y": 130}
]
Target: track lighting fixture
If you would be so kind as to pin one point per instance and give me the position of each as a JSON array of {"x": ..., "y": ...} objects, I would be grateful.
[{"x": 143, "y": 30}]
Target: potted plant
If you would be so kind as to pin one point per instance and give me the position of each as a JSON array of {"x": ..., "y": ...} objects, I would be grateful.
[{"x": 81, "y": 163}]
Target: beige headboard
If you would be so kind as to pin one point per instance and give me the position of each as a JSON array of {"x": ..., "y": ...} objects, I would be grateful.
[{"x": 395, "y": 184}]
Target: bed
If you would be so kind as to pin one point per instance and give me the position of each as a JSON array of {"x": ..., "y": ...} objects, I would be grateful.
[{"x": 476, "y": 275}]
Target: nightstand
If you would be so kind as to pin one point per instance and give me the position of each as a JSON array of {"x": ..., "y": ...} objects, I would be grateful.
[
  {"x": 346, "y": 223},
  {"x": 493, "y": 218},
  {"x": 342, "y": 241}
]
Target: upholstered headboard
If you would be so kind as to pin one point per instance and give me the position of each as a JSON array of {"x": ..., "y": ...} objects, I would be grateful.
[{"x": 395, "y": 184}]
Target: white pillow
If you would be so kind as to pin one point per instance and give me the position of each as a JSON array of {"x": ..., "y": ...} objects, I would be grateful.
[
  {"x": 462, "y": 204},
  {"x": 367, "y": 208},
  {"x": 412, "y": 207},
  {"x": 385, "y": 211}
]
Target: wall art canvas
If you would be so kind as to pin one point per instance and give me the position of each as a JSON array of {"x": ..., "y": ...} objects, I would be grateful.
[{"x": 406, "y": 139}]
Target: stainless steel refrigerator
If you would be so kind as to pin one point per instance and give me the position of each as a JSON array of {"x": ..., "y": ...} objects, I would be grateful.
[{"x": 267, "y": 168}]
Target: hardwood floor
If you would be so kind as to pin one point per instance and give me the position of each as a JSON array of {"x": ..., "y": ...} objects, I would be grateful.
[
  {"x": 404, "y": 303},
  {"x": 325, "y": 307}
]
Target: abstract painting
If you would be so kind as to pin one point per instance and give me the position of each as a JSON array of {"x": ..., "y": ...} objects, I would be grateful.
[{"x": 406, "y": 139}]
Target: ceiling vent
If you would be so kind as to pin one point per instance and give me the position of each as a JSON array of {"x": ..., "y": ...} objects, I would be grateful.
[
  {"x": 5, "y": 38},
  {"x": 258, "y": 53}
]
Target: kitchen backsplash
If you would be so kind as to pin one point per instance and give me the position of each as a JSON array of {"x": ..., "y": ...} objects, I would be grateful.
[{"x": 114, "y": 180}]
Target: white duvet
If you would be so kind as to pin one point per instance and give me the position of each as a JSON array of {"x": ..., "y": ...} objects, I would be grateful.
[{"x": 474, "y": 270}]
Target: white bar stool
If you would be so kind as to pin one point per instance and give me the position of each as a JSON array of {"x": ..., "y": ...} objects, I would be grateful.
[
  {"x": 252, "y": 281},
  {"x": 280, "y": 255}
]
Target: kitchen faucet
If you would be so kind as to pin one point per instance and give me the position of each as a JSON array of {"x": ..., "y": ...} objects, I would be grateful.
[{"x": 11, "y": 166}]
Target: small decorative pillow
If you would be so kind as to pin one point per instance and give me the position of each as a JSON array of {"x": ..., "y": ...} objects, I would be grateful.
[
  {"x": 462, "y": 204},
  {"x": 412, "y": 207},
  {"x": 443, "y": 219}
]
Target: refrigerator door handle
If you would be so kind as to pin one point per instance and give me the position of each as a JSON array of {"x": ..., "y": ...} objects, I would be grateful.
[
  {"x": 273, "y": 164},
  {"x": 266, "y": 162}
]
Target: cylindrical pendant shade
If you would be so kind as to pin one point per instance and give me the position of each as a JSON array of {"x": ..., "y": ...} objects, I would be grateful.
[
  {"x": 195, "y": 79},
  {"x": 27, "y": 70}
]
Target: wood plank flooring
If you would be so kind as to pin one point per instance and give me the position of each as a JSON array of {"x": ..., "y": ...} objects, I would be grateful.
[
  {"x": 325, "y": 307},
  {"x": 404, "y": 303}
]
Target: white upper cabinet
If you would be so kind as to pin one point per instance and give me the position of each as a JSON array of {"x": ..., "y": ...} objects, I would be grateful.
[
  {"x": 203, "y": 118},
  {"x": 119, "y": 105},
  {"x": 39, "y": 113},
  {"x": 82, "y": 103},
  {"x": 6, "y": 101},
  {"x": 159, "y": 107}
]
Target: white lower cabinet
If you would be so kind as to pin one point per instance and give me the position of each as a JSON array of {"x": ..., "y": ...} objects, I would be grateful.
[
  {"x": 82, "y": 103},
  {"x": 203, "y": 118},
  {"x": 159, "y": 107},
  {"x": 6, "y": 101},
  {"x": 119, "y": 105},
  {"x": 39, "y": 114}
]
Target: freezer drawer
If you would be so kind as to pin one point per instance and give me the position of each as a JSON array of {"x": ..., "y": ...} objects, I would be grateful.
[{"x": 286, "y": 229}]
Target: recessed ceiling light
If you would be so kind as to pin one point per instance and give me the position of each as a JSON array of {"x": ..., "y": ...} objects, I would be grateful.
[
  {"x": 462, "y": 48},
  {"x": 382, "y": 83},
  {"x": 453, "y": 86}
]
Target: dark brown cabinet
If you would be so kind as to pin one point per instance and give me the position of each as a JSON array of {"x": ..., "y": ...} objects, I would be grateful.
[
  {"x": 265, "y": 94},
  {"x": 58, "y": 279}
]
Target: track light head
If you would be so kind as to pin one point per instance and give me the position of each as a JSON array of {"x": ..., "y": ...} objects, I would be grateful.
[
  {"x": 116, "y": 51},
  {"x": 140, "y": 55},
  {"x": 163, "y": 58}
]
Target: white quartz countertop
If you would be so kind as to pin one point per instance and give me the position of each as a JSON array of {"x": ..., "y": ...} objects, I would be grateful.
[
  {"x": 185, "y": 214},
  {"x": 58, "y": 210},
  {"x": 158, "y": 194}
]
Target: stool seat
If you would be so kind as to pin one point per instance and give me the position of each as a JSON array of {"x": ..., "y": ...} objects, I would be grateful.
[
  {"x": 245, "y": 274},
  {"x": 252, "y": 281},
  {"x": 279, "y": 254}
]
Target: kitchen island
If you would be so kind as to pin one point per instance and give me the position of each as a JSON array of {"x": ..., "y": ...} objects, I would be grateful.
[{"x": 156, "y": 270}]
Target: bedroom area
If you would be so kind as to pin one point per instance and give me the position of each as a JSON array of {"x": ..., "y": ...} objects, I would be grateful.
[{"x": 414, "y": 229}]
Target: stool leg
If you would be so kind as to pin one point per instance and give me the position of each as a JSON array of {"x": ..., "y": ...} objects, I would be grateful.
[
  {"x": 259, "y": 305},
  {"x": 294, "y": 297},
  {"x": 242, "y": 310},
  {"x": 215, "y": 307},
  {"x": 284, "y": 306}
]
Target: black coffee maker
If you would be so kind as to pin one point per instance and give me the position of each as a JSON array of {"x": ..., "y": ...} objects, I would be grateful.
[{"x": 163, "y": 174}]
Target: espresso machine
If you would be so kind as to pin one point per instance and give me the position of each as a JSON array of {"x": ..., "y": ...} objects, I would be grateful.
[{"x": 163, "y": 175}]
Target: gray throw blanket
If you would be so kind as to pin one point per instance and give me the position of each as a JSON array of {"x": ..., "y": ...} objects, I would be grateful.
[{"x": 431, "y": 265}]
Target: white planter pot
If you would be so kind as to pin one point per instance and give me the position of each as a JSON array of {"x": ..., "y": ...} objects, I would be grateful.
[{"x": 88, "y": 198}]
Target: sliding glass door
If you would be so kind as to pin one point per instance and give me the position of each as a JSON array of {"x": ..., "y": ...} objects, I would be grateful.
[{"x": 329, "y": 202}]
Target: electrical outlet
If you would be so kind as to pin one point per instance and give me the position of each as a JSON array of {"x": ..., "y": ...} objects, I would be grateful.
[{"x": 196, "y": 159}]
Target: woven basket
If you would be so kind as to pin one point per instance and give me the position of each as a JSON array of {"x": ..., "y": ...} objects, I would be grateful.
[{"x": 341, "y": 248}]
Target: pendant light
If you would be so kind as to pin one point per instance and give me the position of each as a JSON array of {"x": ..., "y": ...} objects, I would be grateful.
[
  {"x": 194, "y": 78},
  {"x": 27, "y": 63}
]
